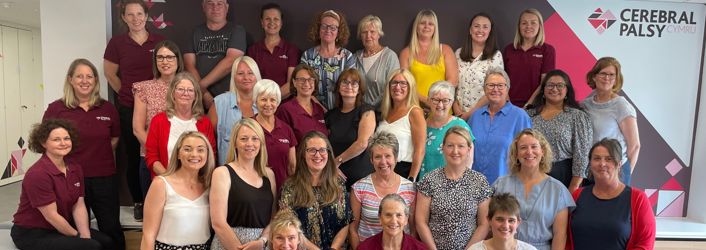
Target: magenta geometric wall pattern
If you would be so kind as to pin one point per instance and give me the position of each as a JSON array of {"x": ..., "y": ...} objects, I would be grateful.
[{"x": 673, "y": 167}]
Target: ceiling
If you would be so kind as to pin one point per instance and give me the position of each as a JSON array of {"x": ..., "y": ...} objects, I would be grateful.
[{"x": 23, "y": 12}]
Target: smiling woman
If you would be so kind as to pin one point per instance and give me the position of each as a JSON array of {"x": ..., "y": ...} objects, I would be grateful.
[{"x": 97, "y": 123}]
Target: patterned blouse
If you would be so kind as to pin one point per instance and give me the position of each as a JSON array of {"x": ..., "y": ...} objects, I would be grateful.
[
  {"x": 471, "y": 76},
  {"x": 320, "y": 222},
  {"x": 454, "y": 206},
  {"x": 570, "y": 134},
  {"x": 328, "y": 69},
  {"x": 154, "y": 94}
]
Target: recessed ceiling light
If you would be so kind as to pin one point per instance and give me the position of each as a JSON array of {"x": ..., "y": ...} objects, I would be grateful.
[{"x": 6, "y": 5}]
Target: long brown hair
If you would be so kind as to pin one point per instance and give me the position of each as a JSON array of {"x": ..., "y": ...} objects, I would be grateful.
[{"x": 301, "y": 179}]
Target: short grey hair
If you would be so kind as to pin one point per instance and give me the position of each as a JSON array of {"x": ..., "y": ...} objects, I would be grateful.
[
  {"x": 266, "y": 87},
  {"x": 443, "y": 87},
  {"x": 497, "y": 71},
  {"x": 395, "y": 198},
  {"x": 384, "y": 139},
  {"x": 370, "y": 19}
]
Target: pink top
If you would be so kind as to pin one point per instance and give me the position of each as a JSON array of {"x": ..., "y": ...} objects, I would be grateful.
[{"x": 154, "y": 94}]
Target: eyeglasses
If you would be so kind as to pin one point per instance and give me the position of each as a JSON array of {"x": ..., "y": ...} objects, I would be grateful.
[
  {"x": 326, "y": 27},
  {"x": 606, "y": 75},
  {"x": 496, "y": 86},
  {"x": 350, "y": 83},
  {"x": 184, "y": 91},
  {"x": 303, "y": 80},
  {"x": 161, "y": 58},
  {"x": 444, "y": 101},
  {"x": 313, "y": 151},
  {"x": 557, "y": 86},
  {"x": 401, "y": 84}
]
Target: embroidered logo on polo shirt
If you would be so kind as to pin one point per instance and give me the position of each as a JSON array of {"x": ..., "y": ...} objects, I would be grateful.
[
  {"x": 102, "y": 118},
  {"x": 77, "y": 184},
  {"x": 285, "y": 141},
  {"x": 283, "y": 57},
  {"x": 322, "y": 121},
  {"x": 538, "y": 55}
]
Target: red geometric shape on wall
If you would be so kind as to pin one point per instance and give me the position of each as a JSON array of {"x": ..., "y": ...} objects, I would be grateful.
[
  {"x": 675, "y": 209},
  {"x": 596, "y": 22},
  {"x": 572, "y": 56},
  {"x": 652, "y": 195},
  {"x": 672, "y": 184}
]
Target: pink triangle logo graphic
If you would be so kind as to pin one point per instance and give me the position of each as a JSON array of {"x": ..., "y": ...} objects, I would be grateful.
[{"x": 601, "y": 20}]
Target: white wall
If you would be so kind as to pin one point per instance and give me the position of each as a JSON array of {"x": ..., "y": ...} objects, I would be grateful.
[
  {"x": 72, "y": 29},
  {"x": 697, "y": 200}
]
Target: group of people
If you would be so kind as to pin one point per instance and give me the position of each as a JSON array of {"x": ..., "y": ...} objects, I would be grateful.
[{"x": 269, "y": 147}]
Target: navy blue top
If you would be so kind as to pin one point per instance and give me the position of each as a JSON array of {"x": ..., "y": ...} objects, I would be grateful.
[{"x": 601, "y": 224}]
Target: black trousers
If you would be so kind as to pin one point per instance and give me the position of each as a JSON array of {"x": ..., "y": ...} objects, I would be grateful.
[
  {"x": 43, "y": 239},
  {"x": 102, "y": 198},
  {"x": 561, "y": 170},
  {"x": 131, "y": 147}
]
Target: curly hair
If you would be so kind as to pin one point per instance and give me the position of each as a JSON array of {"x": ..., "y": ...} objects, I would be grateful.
[
  {"x": 40, "y": 134},
  {"x": 343, "y": 32},
  {"x": 545, "y": 165}
]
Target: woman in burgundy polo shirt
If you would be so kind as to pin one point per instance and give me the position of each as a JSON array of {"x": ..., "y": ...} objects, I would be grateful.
[
  {"x": 96, "y": 121},
  {"x": 52, "y": 214},
  {"x": 279, "y": 137},
  {"x": 303, "y": 112},
  {"x": 528, "y": 58},
  {"x": 184, "y": 113},
  {"x": 275, "y": 56},
  {"x": 127, "y": 59}
]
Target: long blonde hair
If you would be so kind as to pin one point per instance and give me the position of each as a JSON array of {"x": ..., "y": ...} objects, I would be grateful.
[
  {"x": 261, "y": 157},
  {"x": 539, "y": 39},
  {"x": 434, "y": 53},
  {"x": 412, "y": 99},
  {"x": 70, "y": 100},
  {"x": 301, "y": 179},
  {"x": 251, "y": 64},
  {"x": 175, "y": 164}
]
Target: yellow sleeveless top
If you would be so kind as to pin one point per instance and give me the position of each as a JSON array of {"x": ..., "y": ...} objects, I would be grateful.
[{"x": 425, "y": 75}]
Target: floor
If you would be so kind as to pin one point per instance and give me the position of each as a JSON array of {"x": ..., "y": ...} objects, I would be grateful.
[{"x": 674, "y": 229}]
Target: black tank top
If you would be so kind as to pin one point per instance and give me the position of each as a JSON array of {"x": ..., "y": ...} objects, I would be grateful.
[{"x": 248, "y": 206}]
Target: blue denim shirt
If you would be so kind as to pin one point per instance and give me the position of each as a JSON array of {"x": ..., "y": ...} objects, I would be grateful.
[{"x": 228, "y": 114}]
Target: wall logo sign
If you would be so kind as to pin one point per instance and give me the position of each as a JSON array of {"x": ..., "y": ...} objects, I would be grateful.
[
  {"x": 601, "y": 20},
  {"x": 644, "y": 22}
]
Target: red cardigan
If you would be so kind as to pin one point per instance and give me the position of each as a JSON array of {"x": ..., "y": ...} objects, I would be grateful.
[
  {"x": 643, "y": 229},
  {"x": 158, "y": 138}
]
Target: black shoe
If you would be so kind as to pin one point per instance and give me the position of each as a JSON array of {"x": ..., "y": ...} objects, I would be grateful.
[{"x": 137, "y": 212}]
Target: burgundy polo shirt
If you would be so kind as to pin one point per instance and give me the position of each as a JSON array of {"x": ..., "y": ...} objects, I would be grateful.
[
  {"x": 278, "y": 142},
  {"x": 43, "y": 184},
  {"x": 96, "y": 127},
  {"x": 134, "y": 62},
  {"x": 274, "y": 65},
  {"x": 299, "y": 120},
  {"x": 525, "y": 69}
]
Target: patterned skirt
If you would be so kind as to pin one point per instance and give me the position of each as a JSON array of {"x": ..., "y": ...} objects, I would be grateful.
[
  {"x": 163, "y": 246},
  {"x": 245, "y": 235}
]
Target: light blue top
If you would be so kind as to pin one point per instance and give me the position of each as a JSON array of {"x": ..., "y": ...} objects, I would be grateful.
[
  {"x": 606, "y": 118},
  {"x": 328, "y": 69},
  {"x": 494, "y": 136},
  {"x": 546, "y": 199},
  {"x": 228, "y": 114},
  {"x": 433, "y": 156}
]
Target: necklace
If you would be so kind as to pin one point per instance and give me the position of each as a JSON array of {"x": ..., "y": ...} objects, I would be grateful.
[{"x": 369, "y": 53}]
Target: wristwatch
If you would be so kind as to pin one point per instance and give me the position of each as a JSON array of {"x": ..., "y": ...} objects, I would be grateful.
[{"x": 411, "y": 178}]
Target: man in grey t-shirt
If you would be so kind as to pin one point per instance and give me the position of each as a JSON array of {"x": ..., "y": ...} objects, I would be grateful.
[{"x": 211, "y": 52}]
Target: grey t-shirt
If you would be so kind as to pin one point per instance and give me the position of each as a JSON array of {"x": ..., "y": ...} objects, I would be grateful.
[
  {"x": 211, "y": 46},
  {"x": 606, "y": 118}
]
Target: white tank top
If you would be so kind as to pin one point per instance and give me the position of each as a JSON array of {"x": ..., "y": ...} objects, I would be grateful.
[
  {"x": 184, "y": 222},
  {"x": 403, "y": 131}
]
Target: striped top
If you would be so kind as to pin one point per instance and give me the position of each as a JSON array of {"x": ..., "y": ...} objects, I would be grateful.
[{"x": 364, "y": 190}]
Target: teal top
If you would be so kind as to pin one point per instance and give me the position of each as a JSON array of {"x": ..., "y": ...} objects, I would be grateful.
[{"x": 433, "y": 156}]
